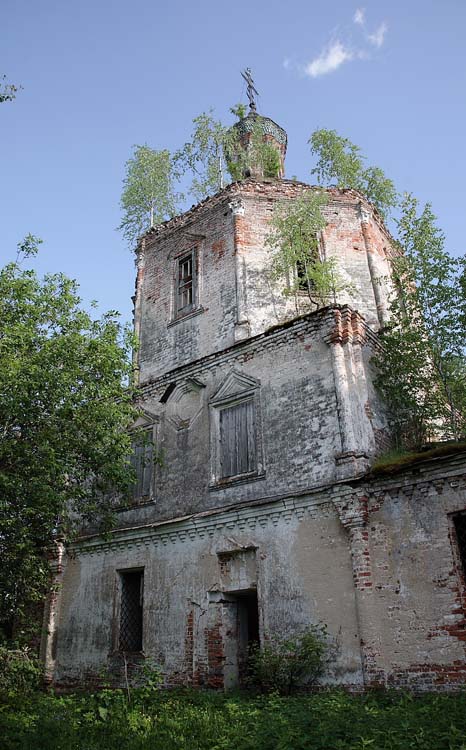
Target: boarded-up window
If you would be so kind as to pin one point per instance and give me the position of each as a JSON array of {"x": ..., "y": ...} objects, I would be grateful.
[
  {"x": 142, "y": 461},
  {"x": 186, "y": 283},
  {"x": 237, "y": 439},
  {"x": 131, "y": 607}
]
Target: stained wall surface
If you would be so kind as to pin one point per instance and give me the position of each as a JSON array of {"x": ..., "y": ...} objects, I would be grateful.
[
  {"x": 235, "y": 295},
  {"x": 306, "y": 529}
]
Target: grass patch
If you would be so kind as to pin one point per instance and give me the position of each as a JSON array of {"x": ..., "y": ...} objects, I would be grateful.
[
  {"x": 188, "y": 720},
  {"x": 395, "y": 461}
]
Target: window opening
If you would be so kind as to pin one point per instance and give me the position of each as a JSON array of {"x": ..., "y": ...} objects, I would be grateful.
[
  {"x": 186, "y": 283},
  {"x": 237, "y": 439},
  {"x": 142, "y": 461},
  {"x": 305, "y": 284},
  {"x": 131, "y": 606},
  {"x": 460, "y": 530}
]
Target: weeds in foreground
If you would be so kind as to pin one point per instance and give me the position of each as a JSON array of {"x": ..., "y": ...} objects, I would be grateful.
[{"x": 189, "y": 720}]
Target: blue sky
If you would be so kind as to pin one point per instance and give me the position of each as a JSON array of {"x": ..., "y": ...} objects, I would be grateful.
[{"x": 101, "y": 76}]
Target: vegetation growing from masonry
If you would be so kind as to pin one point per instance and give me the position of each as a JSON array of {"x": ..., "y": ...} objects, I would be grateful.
[
  {"x": 209, "y": 161},
  {"x": 340, "y": 162},
  {"x": 149, "y": 195},
  {"x": 184, "y": 720},
  {"x": 296, "y": 262},
  {"x": 65, "y": 408}
]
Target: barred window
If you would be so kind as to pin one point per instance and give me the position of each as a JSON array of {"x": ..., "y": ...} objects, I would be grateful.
[
  {"x": 142, "y": 461},
  {"x": 237, "y": 439},
  {"x": 131, "y": 609}
]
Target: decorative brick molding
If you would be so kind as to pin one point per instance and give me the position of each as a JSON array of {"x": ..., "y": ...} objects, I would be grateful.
[{"x": 350, "y": 327}]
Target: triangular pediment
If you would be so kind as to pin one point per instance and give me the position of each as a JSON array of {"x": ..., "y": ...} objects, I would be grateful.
[
  {"x": 235, "y": 384},
  {"x": 145, "y": 419},
  {"x": 185, "y": 242}
]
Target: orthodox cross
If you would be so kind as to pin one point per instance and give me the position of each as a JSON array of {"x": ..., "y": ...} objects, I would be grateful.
[{"x": 251, "y": 90}]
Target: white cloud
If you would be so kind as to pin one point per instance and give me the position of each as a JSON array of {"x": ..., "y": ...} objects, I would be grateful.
[
  {"x": 359, "y": 16},
  {"x": 377, "y": 38},
  {"x": 329, "y": 60}
]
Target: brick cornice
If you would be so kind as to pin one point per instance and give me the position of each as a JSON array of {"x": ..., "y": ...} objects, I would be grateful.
[
  {"x": 324, "y": 320},
  {"x": 204, "y": 524},
  {"x": 265, "y": 188}
]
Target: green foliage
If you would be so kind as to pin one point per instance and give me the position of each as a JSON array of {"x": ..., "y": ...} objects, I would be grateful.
[
  {"x": 260, "y": 157},
  {"x": 65, "y": 407},
  {"x": 340, "y": 161},
  {"x": 284, "y": 665},
  {"x": 296, "y": 262},
  {"x": 20, "y": 671},
  {"x": 7, "y": 90},
  {"x": 148, "y": 196},
  {"x": 422, "y": 369},
  {"x": 215, "y": 152},
  {"x": 188, "y": 720},
  {"x": 239, "y": 111},
  {"x": 203, "y": 156}
]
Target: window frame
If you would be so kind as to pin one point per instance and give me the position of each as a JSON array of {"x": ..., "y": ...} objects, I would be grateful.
[
  {"x": 143, "y": 499},
  {"x": 119, "y": 583},
  {"x": 217, "y": 405},
  {"x": 181, "y": 286}
]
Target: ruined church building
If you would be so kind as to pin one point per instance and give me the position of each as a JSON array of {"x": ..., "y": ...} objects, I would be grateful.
[{"x": 263, "y": 516}]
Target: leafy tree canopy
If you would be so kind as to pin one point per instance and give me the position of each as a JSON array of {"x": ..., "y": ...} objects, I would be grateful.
[
  {"x": 340, "y": 162},
  {"x": 422, "y": 368},
  {"x": 65, "y": 409},
  {"x": 203, "y": 156},
  {"x": 148, "y": 196}
]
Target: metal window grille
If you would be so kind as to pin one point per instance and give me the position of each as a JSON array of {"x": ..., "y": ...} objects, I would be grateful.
[
  {"x": 460, "y": 529},
  {"x": 132, "y": 590},
  {"x": 237, "y": 439},
  {"x": 186, "y": 282}
]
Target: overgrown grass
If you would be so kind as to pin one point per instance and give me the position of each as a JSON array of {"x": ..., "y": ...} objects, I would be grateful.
[{"x": 187, "y": 720}]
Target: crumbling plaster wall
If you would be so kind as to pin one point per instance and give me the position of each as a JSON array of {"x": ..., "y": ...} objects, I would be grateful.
[
  {"x": 408, "y": 578},
  {"x": 167, "y": 341},
  {"x": 236, "y": 298},
  {"x": 315, "y": 409},
  {"x": 376, "y": 559},
  {"x": 354, "y": 236},
  {"x": 184, "y": 627},
  {"x": 417, "y": 575}
]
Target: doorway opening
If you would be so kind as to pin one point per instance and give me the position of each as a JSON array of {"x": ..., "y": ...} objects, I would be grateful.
[{"x": 247, "y": 628}]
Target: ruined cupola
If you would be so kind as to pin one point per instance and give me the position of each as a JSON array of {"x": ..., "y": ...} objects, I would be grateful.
[{"x": 257, "y": 145}]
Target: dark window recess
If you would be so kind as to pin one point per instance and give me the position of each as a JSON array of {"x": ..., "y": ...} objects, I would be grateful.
[
  {"x": 304, "y": 283},
  {"x": 237, "y": 439},
  {"x": 132, "y": 590},
  {"x": 142, "y": 461},
  {"x": 186, "y": 282},
  {"x": 460, "y": 529}
]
